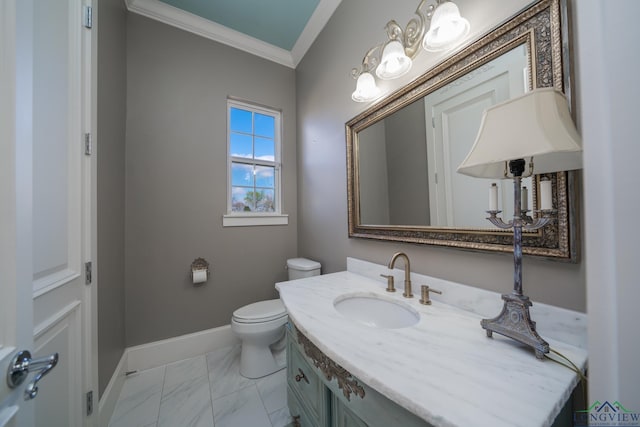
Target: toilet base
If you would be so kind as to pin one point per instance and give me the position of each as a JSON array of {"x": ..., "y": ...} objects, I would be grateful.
[{"x": 257, "y": 361}]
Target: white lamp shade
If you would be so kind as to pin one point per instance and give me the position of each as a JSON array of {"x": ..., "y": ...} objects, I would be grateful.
[
  {"x": 447, "y": 28},
  {"x": 536, "y": 126},
  {"x": 394, "y": 62},
  {"x": 366, "y": 89}
]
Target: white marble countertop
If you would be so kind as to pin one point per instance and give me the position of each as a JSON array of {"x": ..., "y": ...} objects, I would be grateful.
[{"x": 443, "y": 369}]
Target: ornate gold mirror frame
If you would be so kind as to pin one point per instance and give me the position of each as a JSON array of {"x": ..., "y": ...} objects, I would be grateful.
[{"x": 540, "y": 30}]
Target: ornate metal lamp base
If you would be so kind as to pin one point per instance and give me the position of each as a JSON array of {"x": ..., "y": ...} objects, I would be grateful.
[{"x": 515, "y": 322}]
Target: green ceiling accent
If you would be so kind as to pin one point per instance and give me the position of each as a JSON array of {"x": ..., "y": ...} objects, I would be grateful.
[{"x": 277, "y": 22}]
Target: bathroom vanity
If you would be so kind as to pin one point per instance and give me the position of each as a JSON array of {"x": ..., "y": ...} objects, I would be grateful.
[
  {"x": 322, "y": 393},
  {"x": 434, "y": 367}
]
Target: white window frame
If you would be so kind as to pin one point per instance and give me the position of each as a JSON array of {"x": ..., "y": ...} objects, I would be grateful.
[{"x": 240, "y": 219}]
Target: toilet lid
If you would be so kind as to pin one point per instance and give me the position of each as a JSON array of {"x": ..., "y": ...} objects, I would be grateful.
[
  {"x": 261, "y": 311},
  {"x": 303, "y": 264}
]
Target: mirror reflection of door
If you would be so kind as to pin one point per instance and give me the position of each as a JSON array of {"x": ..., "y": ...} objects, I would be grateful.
[{"x": 453, "y": 115}]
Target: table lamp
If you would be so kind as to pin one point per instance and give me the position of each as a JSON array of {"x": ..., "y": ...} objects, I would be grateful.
[{"x": 532, "y": 133}]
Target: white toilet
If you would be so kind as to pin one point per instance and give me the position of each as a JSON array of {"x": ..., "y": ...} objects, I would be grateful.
[{"x": 261, "y": 324}]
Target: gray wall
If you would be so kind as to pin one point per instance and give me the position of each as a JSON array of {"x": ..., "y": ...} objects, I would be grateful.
[
  {"x": 407, "y": 166},
  {"x": 110, "y": 143},
  {"x": 392, "y": 168},
  {"x": 372, "y": 163},
  {"x": 324, "y": 88},
  {"x": 176, "y": 183}
]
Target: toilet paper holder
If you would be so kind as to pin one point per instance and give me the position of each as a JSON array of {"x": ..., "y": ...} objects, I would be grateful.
[{"x": 199, "y": 264}]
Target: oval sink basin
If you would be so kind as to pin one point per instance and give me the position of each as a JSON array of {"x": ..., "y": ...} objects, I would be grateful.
[{"x": 376, "y": 311}]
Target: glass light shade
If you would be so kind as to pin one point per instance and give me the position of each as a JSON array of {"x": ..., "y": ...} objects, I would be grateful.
[
  {"x": 535, "y": 126},
  {"x": 394, "y": 62},
  {"x": 366, "y": 89},
  {"x": 447, "y": 28}
]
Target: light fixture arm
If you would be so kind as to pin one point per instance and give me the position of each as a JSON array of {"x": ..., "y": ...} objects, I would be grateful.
[
  {"x": 369, "y": 62},
  {"x": 393, "y": 58},
  {"x": 412, "y": 35}
]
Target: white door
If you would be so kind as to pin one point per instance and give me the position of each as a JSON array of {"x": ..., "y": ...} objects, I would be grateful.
[
  {"x": 16, "y": 330},
  {"x": 47, "y": 209},
  {"x": 455, "y": 112}
]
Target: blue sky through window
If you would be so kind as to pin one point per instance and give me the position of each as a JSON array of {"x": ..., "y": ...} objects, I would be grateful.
[
  {"x": 252, "y": 135},
  {"x": 265, "y": 126},
  {"x": 241, "y": 120},
  {"x": 251, "y": 143}
]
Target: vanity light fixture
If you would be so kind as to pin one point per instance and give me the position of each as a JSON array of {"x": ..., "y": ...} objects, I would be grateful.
[
  {"x": 447, "y": 26},
  {"x": 393, "y": 58},
  {"x": 394, "y": 62},
  {"x": 366, "y": 89},
  {"x": 533, "y": 132}
]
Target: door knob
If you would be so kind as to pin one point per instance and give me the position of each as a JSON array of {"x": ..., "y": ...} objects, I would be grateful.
[{"x": 20, "y": 366}]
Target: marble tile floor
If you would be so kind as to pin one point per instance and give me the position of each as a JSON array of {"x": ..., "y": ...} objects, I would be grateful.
[{"x": 205, "y": 391}]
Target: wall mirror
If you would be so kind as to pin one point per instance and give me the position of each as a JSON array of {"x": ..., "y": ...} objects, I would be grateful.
[{"x": 402, "y": 153}]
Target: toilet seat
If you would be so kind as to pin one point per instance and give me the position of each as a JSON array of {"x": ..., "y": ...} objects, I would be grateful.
[{"x": 259, "y": 312}]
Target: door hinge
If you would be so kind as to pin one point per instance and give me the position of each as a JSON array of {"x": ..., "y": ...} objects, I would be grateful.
[
  {"x": 433, "y": 122},
  {"x": 87, "y": 17},
  {"x": 87, "y": 144},
  {"x": 87, "y": 273},
  {"x": 90, "y": 402}
]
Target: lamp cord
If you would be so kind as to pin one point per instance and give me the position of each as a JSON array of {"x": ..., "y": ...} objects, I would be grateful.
[{"x": 574, "y": 368}]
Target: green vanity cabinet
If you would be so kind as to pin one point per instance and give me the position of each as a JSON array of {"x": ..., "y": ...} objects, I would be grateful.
[
  {"x": 307, "y": 396},
  {"x": 320, "y": 393},
  {"x": 341, "y": 415},
  {"x": 301, "y": 418}
]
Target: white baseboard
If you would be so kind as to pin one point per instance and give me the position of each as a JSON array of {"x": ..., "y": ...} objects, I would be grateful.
[
  {"x": 110, "y": 396},
  {"x": 160, "y": 353},
  {"x": 151, "y": 355}
]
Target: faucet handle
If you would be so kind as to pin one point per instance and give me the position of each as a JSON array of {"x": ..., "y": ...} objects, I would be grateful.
[
  {"x": 425, "y": 289},
  {"x": 390, "y": 286}
]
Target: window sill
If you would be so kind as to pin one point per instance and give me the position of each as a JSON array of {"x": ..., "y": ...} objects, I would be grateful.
[{"x": 253, "y": 220}]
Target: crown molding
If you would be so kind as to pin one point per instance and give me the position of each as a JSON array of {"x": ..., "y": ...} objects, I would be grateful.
[
  {"x": 159, "y": 11},
  {"x": 314, "y": 26}
]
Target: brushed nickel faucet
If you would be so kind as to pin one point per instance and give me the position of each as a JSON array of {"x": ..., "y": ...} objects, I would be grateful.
[
  {"x": 425, "y": 289},
  {"x": 407, "y": 272},
  {"x": 390, "y": 286}
]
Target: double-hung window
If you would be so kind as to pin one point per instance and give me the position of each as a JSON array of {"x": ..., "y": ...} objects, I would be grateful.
[{"x": 254, "y": 146}]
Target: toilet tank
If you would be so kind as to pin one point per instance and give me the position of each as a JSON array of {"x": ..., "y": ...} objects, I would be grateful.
[{"x": 302, "y": 267}]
